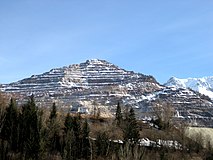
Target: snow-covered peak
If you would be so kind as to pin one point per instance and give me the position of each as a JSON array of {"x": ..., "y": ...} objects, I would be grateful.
[
  {"x": 176, "y": 82},
  {"x": 203, "y": 85}
]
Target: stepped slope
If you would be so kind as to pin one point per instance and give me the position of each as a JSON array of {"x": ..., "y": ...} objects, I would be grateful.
[{"x": 94, "y": 81}]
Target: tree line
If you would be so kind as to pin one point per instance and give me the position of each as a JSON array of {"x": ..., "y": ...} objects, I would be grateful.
[
  {"x": 26, "y": 133},
  {"x": 31, "y": 133}
]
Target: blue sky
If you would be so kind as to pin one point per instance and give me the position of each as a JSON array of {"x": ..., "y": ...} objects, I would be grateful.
[{"x": 160, "y": 38}]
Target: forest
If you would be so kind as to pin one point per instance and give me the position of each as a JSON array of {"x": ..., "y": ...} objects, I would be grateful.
[{"x": 31, "y": 133}]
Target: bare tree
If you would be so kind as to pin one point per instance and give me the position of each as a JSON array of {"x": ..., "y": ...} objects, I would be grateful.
[{"x": 163, "y": 112}]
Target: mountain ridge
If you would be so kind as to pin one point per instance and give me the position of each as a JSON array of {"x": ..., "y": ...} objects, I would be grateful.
[
  {"x": 203, "y": 85},
  {"x": 83, "y": 72},
  {"x": 93, "y": 80}
]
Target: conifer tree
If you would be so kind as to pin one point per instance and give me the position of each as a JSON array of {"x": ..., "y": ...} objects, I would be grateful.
[
  {"x": 73, "y": 137},
  {"x": 131, "y": 131},
  {"x": 53, "y": 113},
  {"x": 70, "y": 147},
  {"x": 77, "y": 134},
  {"x": 77, "y": 126},
  {"x": 68, "y": 123},
  {"x": 9, "y": 131},
  {"x": 2, "y": 110},
  {"x": 86, "y": 150},
  {"x": 29, "y": 130},
  {"x": 118, "y": 115},
  {"x": 54, "y": 131}
]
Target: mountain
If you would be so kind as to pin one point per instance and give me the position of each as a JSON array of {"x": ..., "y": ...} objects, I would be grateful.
[
  {"x": 202, "y": 85},
  {"x": 85, "y": 84},
  {"x": 98, "y": 85}
]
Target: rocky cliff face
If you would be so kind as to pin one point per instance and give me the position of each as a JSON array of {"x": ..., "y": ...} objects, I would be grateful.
[{"x": 98, "y": 84}]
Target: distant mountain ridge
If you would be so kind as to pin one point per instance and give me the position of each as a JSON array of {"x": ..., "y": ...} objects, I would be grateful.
[{"x": 202, "y": 85}]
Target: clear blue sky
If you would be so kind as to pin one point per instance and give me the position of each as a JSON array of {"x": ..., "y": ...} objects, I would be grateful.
[{"x": 162, "y": 38}]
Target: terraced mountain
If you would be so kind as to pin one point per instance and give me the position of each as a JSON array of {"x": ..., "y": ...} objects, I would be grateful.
[
  {"x": 91, "y": 74},
  {"x": 98, "y": 84},
  {"x": 94, "y": 81}
]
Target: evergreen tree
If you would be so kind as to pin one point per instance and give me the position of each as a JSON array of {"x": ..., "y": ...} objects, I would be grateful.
[
  {"x": 77, "y": 126},
  {"x": 131, "y": 131},
  {"x": 86, "y": 150},
  {"x": 118, "y": 115},
  {"x": 53, "y": 113},
  {"x": 68, "y": 123},
  {"x": 53, "y": 132},
  {"x": 73, "y": 137},
  {"x": 9, "y": 130},
  {"x": 29, "y": 130},
  {"x": 70, "y": 149},
  {"x": 77, "y": 134},
  {"x": 2, "y": 110}
]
